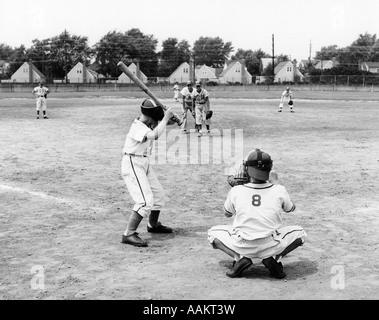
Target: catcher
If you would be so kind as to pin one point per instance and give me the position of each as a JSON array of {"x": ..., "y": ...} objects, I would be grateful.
[
  {"x": 257, "y": 231},
  {"x": 286, "y": 97}
]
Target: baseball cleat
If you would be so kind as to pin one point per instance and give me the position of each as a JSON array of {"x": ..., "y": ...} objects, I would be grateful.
[
  {"x": 37, "y": 117},
  {"x": 275, "y": 268},
  {"x": 279, "y": 110},
  {"x": 159, "y": 228},
  {"x": 239, "y": 266},
  {"x": 45, "y": 117},
  {"x": 134, "y": 240}
]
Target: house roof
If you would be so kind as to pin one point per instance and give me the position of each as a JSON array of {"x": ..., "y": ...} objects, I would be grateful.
[
  {"x": 184, "y": 63},
  {"x": 372, "y": 64},
  {"x": 230, "y": 64},
  {"x": 281, "y": 65},
  {"x": 323, "y": 63}
]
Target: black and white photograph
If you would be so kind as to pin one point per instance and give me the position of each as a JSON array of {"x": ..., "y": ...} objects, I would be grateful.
[{"x": 188, "y": 155}]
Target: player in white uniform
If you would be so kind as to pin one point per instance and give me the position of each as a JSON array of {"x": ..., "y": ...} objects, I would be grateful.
[
  {"x": 257, "y": 231},
  {"x": 40, "y": 93},
  {"x": 187, "y": 96},
  {"x": 286, "y": 97},
  {"x": 139, "y": 176},
  {"x": 202, "y": 105},
  {"x": 176, "y": 91}
]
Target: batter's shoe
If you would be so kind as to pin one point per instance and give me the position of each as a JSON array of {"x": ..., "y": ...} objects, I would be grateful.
[
  {"x": 37, "y": 117},
  {"x": 159, "y": 228},
  {"x": 275, "y": 268},
  {"x": 45, "y": 117},
  {"x": 134, "y": 240},
  {"x": 238, "y": 267}
]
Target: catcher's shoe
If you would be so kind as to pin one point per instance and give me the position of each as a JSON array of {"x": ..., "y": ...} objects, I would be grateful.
[
  {"x": 134, "y": 240},
  {"x": 275, "y": 268},
  {"x": 239, "y": 266},
  {"x": 159, "y": 228}
]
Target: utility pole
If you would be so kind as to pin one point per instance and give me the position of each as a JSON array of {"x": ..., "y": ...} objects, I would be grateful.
[
  {"x": 65, "y": 55},
  {"x": 273, "y": 56},
  {"x": 310, "y": 52}
]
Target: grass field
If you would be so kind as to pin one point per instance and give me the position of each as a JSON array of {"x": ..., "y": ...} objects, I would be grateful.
[{"x": 65, "y": 206}]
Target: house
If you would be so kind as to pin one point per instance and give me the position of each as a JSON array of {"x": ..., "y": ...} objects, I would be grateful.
[
  {"x": 205, "y": 73},
  {"x": 81, "y": 74},
  {"x": 235, "y": 71},
  {"x": 28, "y": 73},
  {"x": 123, "y": 78},
  {"x": 372, "y": 67},
  {"x": 286, "y": 71},
  {"x": 181, "y": 74},
  {"x": 325, "y": 64}
]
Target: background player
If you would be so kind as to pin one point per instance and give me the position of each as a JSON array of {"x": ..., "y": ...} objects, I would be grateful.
[
  {"x": 139, "y": 176},
  {"x": 40, "y": 93},
  {"x": 286, "y": 97},
  {"x": 187, "y": 103},
  {"x": 176, "y": 91},
  {"x": 202, "y": 105},
  {"x": 257, "y": 231}
]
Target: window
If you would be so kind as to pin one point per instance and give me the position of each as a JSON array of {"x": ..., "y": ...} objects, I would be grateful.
[
  {"x": 238, "y": 69},
  {"x": 289, "y": 69},
  {"x": 185, "y": 70}
]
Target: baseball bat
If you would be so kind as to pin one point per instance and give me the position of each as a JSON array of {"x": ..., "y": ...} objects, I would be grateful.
[{"x": 145, "y": 89}]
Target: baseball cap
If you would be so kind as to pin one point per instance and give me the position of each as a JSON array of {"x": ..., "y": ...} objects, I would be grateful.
[
  {"x": 259, "y": 165},
  {"x": 198, "y": 84},
  {"x": 189, "y": 83}
]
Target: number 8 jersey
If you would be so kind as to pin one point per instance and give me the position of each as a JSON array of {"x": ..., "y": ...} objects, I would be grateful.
[{"x": 257, "y": 209}]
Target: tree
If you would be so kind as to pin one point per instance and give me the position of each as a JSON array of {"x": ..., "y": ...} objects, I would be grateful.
[
  {"x": 211, "y": 51},
  {"x": 252, "y": 59},
  {"x": 327, "y": 53},
  {"x": 128, "y": 47},
  {"x": 62, "y": 52},
  {"x": 17, "y": 58},
  {"x": 173, "y": 54}
]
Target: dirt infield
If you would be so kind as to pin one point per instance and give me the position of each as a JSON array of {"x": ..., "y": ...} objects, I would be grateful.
[{"x": 64, "y": 205}]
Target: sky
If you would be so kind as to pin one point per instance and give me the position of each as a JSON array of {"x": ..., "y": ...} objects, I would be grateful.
[{"x": 299, "y": 28}]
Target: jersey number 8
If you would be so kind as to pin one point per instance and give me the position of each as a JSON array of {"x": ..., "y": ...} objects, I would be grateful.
[{"x": 256, "y": 200}]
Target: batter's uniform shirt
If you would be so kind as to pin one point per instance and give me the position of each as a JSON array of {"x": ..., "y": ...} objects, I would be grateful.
[
  {"x": 139, "y": 177},
  {"x": 201, "y": 106},
  {"x": 40, "y": 100},
  {"x": 257, "y": 231}
]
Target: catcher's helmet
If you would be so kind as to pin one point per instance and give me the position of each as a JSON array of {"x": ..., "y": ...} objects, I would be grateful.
[
  {"x": 258, "y": 165},
  {"x": 151, "y": 109}
]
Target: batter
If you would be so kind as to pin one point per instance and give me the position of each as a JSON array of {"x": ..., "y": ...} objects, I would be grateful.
[{"x": 139, "y": 176}]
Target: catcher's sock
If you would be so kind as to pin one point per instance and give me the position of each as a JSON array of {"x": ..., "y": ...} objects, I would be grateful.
[
  {"x": 153, "y": 218},
  {"x": 134, "y": 221}
]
